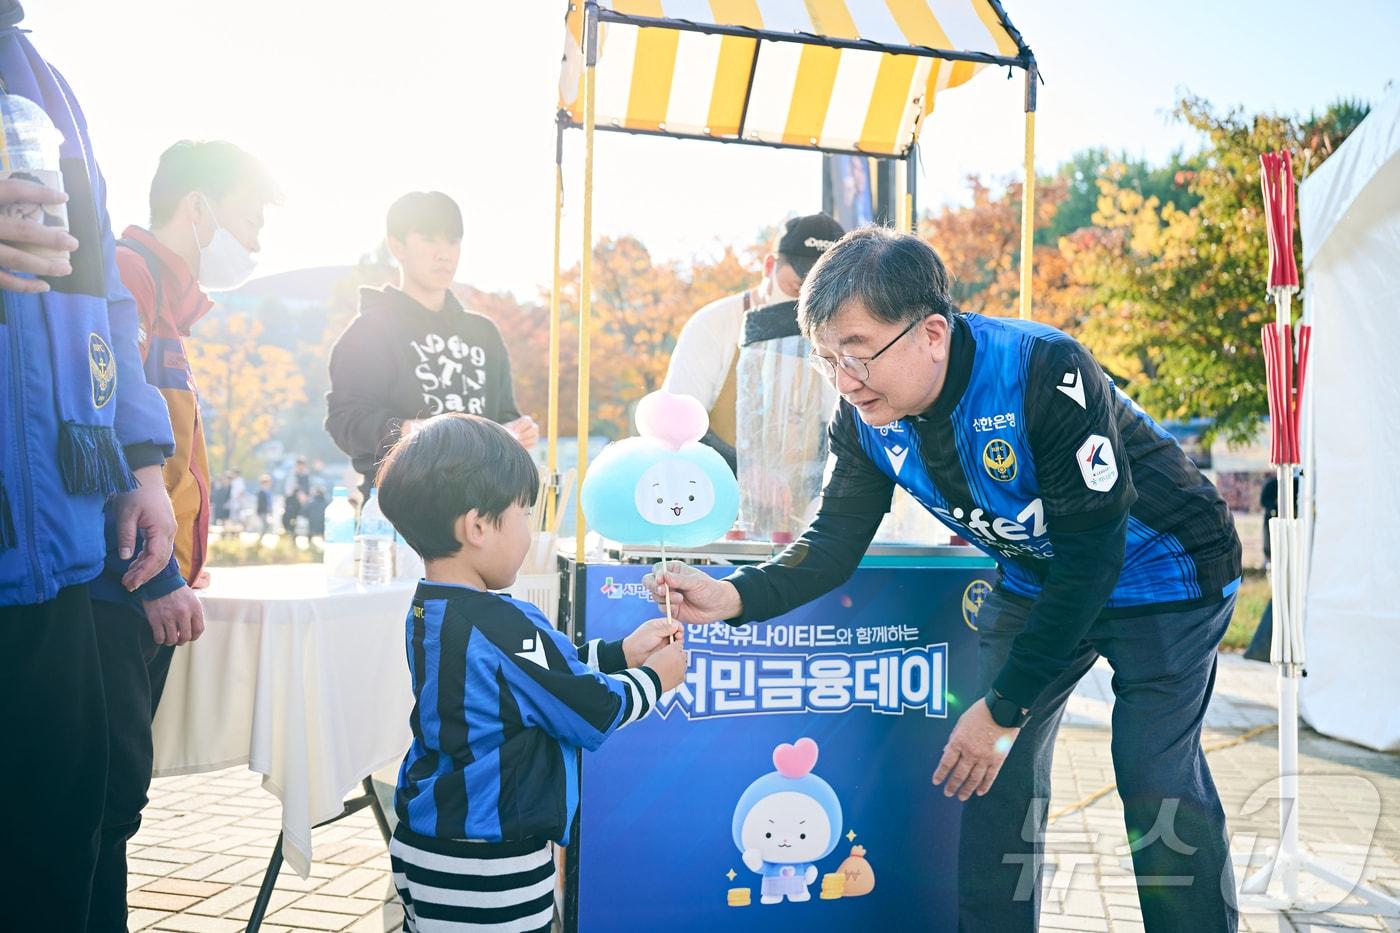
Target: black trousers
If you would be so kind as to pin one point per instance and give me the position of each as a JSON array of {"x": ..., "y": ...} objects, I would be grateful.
[
  {"x": 133, "y": 675},
  {"x": 53, "y": 762}
]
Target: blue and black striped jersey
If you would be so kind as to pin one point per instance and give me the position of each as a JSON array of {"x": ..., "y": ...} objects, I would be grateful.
[
  {"x": 1028, "y": 436},
  {"x": 503, "y": 703},
  {"x": 1033, "y": 455}
]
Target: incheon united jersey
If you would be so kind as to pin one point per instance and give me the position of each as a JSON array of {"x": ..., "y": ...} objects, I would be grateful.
[{"x": 1028, "y": 437}]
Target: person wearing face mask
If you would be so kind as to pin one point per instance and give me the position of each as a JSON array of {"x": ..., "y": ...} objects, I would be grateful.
[
  {"x": 207, "y": 201},
  {"x": 704, "y": 363}
]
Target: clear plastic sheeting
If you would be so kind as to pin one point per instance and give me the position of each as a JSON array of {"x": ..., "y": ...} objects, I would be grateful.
[{"x": 785, "y": 407}]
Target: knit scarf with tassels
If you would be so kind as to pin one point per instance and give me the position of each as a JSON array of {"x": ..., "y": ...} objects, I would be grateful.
[{"x": 75, "y": 309}]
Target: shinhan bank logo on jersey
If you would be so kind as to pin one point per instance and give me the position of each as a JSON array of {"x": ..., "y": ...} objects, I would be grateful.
[{"x": 614, "y": 590}]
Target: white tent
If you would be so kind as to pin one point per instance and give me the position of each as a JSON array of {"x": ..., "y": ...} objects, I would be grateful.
[{"x": 1350, "y": 219}]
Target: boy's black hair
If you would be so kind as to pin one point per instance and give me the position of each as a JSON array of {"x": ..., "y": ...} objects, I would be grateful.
[
  {"x": 214, "y": 167},
  {"x": 426, "y": 213},
  {"x": 451, "y": 465}
]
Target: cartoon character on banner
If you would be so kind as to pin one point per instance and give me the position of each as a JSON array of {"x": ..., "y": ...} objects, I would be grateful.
[
  {"x": 787, "y": 821},
  {"x": 663, "y": 488}
]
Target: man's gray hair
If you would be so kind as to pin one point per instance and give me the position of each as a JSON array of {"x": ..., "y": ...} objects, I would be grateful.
[{"x": 897, "y": 277}]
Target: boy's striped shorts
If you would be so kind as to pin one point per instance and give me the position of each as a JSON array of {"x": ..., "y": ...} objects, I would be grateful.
[{"x": 455, "y": 885}]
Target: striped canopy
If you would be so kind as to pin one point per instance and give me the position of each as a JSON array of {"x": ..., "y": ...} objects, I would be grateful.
[{"x": 835, "y": 75}]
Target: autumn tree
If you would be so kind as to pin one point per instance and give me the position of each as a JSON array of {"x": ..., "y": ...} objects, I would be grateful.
[
  {"x": 639, "y": 306},
  {"x": 246, "y": 387},
  {"x": 980, "y": 243},
  {"x": 1178, "y": 293}
]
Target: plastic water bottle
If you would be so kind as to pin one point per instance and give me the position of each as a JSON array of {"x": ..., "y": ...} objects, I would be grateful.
[
  {"x": 31, "y": 153},
  {"x": 339, "y": 557},
  {"x": 375, "y": 543},
  {"x": 408, "y": 566}
]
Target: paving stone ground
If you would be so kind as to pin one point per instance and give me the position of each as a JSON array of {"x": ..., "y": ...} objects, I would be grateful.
[{"x": 205, "y": 840}]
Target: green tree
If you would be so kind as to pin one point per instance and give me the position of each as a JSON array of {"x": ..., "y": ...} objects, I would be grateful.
[
  {"x": 1169, "y": 183},
  {"x": 1178, "y": 291}
]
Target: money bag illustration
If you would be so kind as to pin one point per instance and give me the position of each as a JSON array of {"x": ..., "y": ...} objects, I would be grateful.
[{"x": 860, "y": 877}]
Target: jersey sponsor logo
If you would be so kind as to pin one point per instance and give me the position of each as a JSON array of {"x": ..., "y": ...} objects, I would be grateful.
[
  {"x": 532, "y": 650},
  {"x": 999, "y": 458},
  {"x": 1097, "y": 463},
  {"x": 1072, "y": 385},
  {"x": 997, "y": 530},
  {"x": 897, "y": 455},
  {"x": 1006, "y": 419},
  {"x": 972, "y": 599}
]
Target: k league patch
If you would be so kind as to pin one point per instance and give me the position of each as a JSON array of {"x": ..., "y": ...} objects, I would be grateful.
[{"x": 1097, "y": 464}]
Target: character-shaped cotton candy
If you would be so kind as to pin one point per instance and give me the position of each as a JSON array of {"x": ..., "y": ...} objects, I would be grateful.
[
  {"x": 640, "y": 491},
  {"x": 786, "y": 821}
]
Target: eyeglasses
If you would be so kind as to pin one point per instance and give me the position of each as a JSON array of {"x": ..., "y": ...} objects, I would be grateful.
[{"x": 858, "y": 368}]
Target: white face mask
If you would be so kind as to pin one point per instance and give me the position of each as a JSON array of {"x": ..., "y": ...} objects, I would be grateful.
[{"x": 225, "y": 263}]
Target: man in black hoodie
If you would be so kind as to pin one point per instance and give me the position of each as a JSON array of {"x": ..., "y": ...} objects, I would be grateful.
[{"x": 414, "y": 351}]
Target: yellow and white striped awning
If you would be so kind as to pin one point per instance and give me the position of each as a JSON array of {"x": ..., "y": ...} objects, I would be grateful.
[{"x": 777, "y": 85}]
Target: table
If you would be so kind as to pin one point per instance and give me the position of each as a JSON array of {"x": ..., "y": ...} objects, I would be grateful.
[{"x": 301, "y": 679}]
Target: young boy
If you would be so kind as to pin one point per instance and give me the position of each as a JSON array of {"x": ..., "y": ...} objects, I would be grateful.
[{"x": 504, "y": 701}]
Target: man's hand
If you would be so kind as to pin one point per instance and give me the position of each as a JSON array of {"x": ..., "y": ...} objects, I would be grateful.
[
  {"x": 147, "y": 508},
  {"x": 696, "y": 598},
  {"x": 17, "y": 233},
  {"x": 649, "y": 638},
  {"x": 525, "y": 431},
  {"x": 176, "y": 617},
  {"x": 974, "y": 754}
]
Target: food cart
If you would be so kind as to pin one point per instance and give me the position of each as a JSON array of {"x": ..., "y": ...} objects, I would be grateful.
[{"x": 832, "y": 717}]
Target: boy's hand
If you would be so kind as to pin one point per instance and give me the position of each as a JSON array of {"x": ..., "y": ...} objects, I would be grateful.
[
  {"x": 649, "y": 638},
  {"x": 670, "y": 664}
]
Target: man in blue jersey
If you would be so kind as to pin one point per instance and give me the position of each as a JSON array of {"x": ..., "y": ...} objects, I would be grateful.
[{"x": 1108, "y": 540}]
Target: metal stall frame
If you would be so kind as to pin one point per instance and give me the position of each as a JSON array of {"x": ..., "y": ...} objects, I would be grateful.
[{"x": 594, "y": 16}]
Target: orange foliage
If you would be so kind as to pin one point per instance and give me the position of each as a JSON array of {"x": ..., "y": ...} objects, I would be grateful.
[
  {"x": 981, "y": 246},
  {"x": 639, "y": 306}
]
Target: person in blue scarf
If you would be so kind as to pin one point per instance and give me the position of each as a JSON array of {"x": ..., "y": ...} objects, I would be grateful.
[{"x": 80, "y": 428}]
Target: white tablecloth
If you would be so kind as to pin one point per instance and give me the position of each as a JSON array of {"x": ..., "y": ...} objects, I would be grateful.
[{"x": 305, "y": 683}]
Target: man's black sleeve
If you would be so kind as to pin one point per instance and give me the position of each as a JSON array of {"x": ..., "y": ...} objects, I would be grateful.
[
  {"x": 1082, "y": 575},
  {"x": 854, "y": 501},
  {"x": 1088, "y": 492}
]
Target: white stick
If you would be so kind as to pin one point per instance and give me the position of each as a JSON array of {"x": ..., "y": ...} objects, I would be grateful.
[{"x": 668, "y": 589}]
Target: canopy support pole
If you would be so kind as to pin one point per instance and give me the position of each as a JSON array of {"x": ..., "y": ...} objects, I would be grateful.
[
  {"x": 1028, "y": 194},
  {"x": 585, "y": 289},
  {"x": 911, "y": 181},
  {"x": 552, "y": 430}
]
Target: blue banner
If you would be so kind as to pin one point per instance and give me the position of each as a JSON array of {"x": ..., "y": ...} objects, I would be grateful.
[{"x": 786, "y": 785}]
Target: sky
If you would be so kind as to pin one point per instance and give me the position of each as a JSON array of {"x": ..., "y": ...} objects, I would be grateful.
[{"x": 351, "y": 103}]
